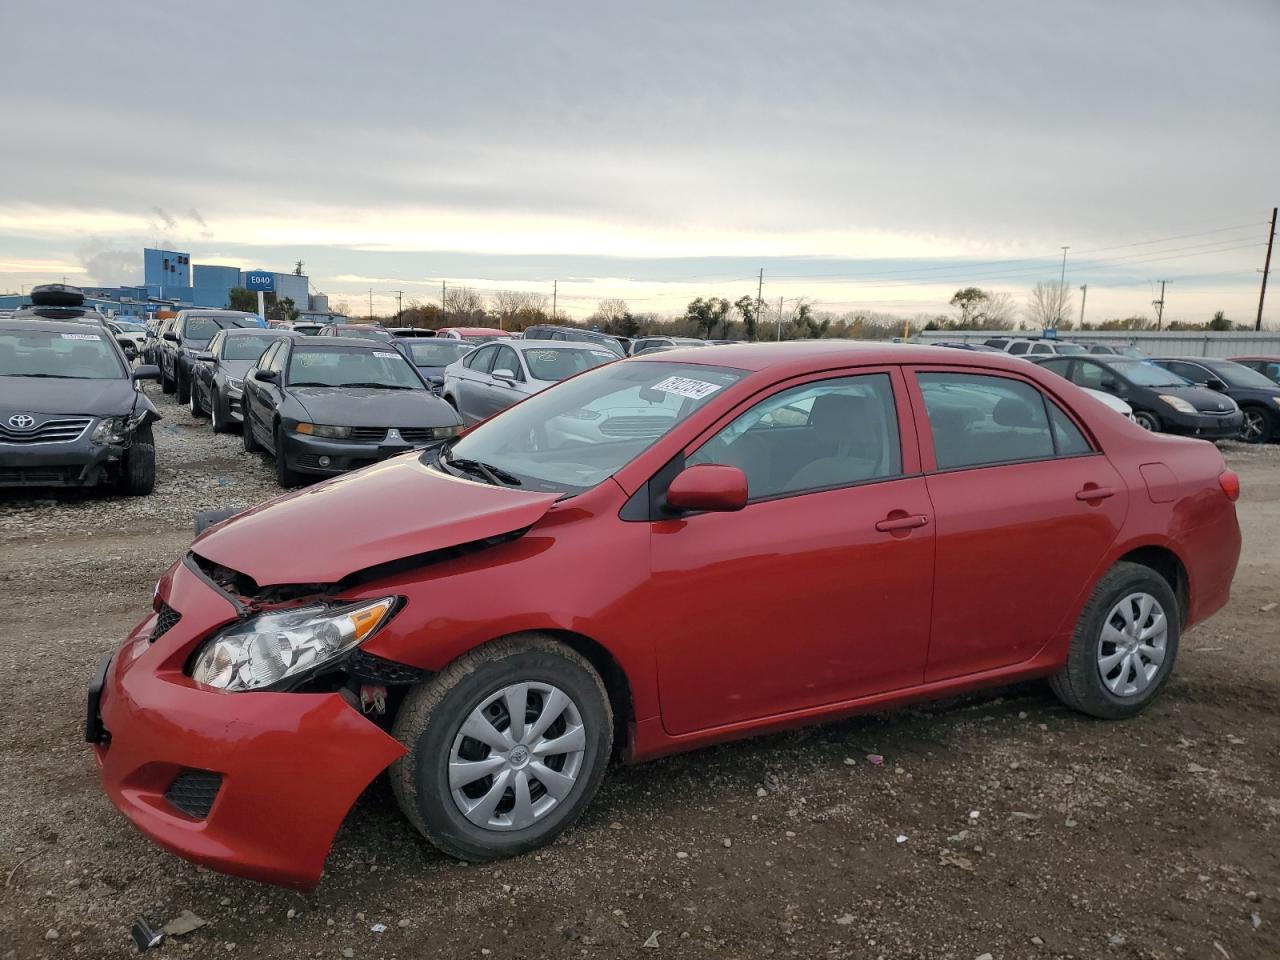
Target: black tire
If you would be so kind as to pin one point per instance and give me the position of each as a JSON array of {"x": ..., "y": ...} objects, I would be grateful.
[
  {"x": 1259, "y": 425},
  {"x": 250, "y": 442},
  {"x": 1079, "y": 684},
  {"x": 184, "y": 385},
  {"x": 1147, "y": 420},
  {"x": 433, "y": 713},
  {"x": 138, "y": 466},
  {"x": 284, "y": 476},
  {"x": 197, "y": 408},
  {"x": 166, "y": 384},
  {"x": 222, "y": 423}
]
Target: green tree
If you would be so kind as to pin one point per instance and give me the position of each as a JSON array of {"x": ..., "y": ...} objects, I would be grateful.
[
  {"x": 749, "y": 307},
  {"x": 1220, "y": 322},
  {"x": 281, "y": 310},
  {"x": 238, "y": 298},
  {"x": 970, "y": 302},
  {"x": 707, "y": 314}
]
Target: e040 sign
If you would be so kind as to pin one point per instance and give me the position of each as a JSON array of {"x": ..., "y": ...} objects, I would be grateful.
[{"x": 259, "y": 280}]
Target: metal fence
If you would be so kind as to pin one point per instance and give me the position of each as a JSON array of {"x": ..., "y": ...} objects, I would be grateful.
[{"x": 1166, "y": 343}]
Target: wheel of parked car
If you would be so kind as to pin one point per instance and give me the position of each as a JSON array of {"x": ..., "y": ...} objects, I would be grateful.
[
  {"x": 247, "y": 438},
  {"x": 166, "y": 384},
  {"x": 183, "y": 386},
  {"x": 284, "y": 476},
  {"x": 1147, "y": 421},
  {"x": 138, "y": 467},
  {"x": 506, "y": 746},
  {"x": 194, "y": 402},
  {"x": 1124, "y": 645},
  {"x": 221, "y": 422},
  {"x": 1258, "y": 425}
]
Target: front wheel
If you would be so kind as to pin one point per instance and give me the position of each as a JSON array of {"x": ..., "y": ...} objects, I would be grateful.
[
  {"x": 506, "y": 747},
  {"x": 197, "y": 410},
  {"x": 138, "y": 466},
  {"x": 284, "y": 475},
  {"x": 221, "y": 422},
  {"x": 1147, "y": 421},
  {"x": 247, "y": 438},
  {"x": 183, "y": 386},
  {"x": 1258, "y": 425},
  {"x": 166, "y": 382},
  {"x": 1124, "y": 645}
]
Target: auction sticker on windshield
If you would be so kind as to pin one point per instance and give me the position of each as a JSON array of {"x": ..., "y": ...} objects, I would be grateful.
[
  {"x": 386, "y": 356},
  {"x": 687, "y": 387},
  {"x": 80, "y": 336}
]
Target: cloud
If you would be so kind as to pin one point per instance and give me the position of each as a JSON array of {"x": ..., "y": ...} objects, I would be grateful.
[{"x": 108, "y": 265}]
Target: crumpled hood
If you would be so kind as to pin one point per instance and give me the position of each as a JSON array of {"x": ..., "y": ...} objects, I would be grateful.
[
  {"x": 97, "y": 398},
  {"x": 394, "y": 509}
]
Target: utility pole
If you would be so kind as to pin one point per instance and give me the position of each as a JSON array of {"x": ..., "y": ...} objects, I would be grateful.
[
  {"x": 1266, "y": 268},
  {"x": 779, "y": 319},
  {"x": 1062, "y": 286},
  {"x": 442, "y": 296},
  {"x": 1084, "y": 294},
  {"x": 1159, "y": 305},
  {"x": 371, "y": 304},
  {"x": 555, "y": 290},
  {"x": 759, "y": 298},
  {"x": 399, "y": 305}
]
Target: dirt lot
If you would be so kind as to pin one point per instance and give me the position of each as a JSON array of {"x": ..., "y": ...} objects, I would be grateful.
[{"x": 998, "y": 824}]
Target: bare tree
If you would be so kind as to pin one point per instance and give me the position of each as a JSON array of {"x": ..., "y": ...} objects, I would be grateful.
[
  {"x": 1049, "y": 305},
  {"x": 514, "y": 305},
  {"x": 464, "y": 305},
  {"x": 998, "y": 313},
  {"x": 611, "y": 310}
]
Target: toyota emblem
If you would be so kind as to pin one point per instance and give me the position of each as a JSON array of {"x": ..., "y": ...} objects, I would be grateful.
[{"x": 21, "y": 421}]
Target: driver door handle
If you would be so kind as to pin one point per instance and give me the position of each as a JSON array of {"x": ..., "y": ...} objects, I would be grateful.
[
  {"x": 902, "y": 523},
  {"x": 1091, "y": 492}
]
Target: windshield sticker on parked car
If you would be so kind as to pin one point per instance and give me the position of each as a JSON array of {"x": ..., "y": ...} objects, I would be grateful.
[
  {"x": 543, "y": 356},
  {"x": 386, "y": 356},
  {"x": 687, "y": 387},
  {"x": 80, "y": 336}
]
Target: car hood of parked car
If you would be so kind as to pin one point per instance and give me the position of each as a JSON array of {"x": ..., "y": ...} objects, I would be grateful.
[
  {"x": 237, "y": 369},
  {"x": 69, "y": 395},
  {"x": 372, "y": 407},
  {"x": 405, "y": 508},
  {"x": 1202, "y": 398}
]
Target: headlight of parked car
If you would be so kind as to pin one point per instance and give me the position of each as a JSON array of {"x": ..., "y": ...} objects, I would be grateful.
[
  {"x": 234, "y": 384},
  {"x": 115, "y": 429},
  {"x": 1182, "y": 406},
  {"x": 320, "y": 430},
  {"x": 266, "y": 649}
]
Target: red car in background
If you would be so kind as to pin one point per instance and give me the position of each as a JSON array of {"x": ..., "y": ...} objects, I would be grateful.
[{"x": 657, "y": 554}]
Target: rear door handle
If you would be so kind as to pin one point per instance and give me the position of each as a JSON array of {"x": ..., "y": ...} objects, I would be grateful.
[
  {"x": 1095, "y": 493},
  {"x": 902, "y": 523}
]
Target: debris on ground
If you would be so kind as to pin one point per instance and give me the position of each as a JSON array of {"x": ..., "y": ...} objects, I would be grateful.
[
  {"x": 182, "y": 924},
  {"x": 144, "y": 937},
  {"x": 652, "y": 942}
]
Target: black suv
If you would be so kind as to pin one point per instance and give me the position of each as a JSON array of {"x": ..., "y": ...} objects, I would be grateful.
[
  {"x": 1256, "y": 396},
  {"x": 186, "y": 337},
  {"x": 1161, "y": 400},
  {"x": 71, "y": 413},
  {"x": 549, "y": 331}
]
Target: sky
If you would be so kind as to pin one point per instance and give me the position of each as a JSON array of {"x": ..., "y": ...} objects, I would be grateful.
[{"x": 866, "y": 156}]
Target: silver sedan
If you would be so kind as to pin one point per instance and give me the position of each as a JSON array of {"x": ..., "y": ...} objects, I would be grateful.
[{"x": 496, "y": 375}]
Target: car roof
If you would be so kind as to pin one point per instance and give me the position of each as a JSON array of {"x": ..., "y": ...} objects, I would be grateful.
[
  {"x": 259, "y": 332},
  {"x": 801, "y": 356},
  {"x": 550, "y": 345},
  {"x": 213, "y": 312},
  {"x": 324, "y": 343},
  {"x": 17, "y": 324}
]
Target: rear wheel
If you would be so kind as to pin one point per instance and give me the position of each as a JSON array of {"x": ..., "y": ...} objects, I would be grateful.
[
  {"x": 1124, "y": 645},
  {"x": 1147, "y": 420},
  {"x": 1258, "y": 426},
  {"x": 184, "y": 386},
  {"x": 247, "y": 438},
  {"x": 166, "y": 383},
  {"x": 285, "y": 476},
  {"x": 197, "y": 410},
  {"x": 506, "y": 747},
  {"x": 138, "y": 466}
]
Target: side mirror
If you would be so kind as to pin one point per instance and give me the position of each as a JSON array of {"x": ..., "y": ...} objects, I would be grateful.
[
  {"x": 171, "y": 336},
  {"x": 148, "y": 371},
  {"x": 1213, "y": 383},
  {"x": 205, "y": 355},
  {"x": 504, "y": 374},
  {"x": 266, "y": 376},
  {"x": 708, "y": 487}
]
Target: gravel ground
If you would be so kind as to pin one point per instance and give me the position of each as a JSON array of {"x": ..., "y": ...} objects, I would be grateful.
[{"x": 998, "y": 824}]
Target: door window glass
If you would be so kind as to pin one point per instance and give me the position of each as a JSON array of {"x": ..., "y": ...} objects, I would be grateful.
[
  {"x": 482, "y": 360},
  {"x": 1088, "y": 374},
  {"x": 1067, "y": 438},
  {"x": 830, "y": 433},
  {"x": 978, "y": 419},
  {"x": 505, "y": 359},
  {"x": 1188, "y": 371}
]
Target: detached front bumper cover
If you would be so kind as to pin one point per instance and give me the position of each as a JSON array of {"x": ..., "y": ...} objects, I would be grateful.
[{"x": 287, "y": 766}]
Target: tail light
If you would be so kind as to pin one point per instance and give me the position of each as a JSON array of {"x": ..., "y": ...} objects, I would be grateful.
[{"x": 1229, "y": 480}]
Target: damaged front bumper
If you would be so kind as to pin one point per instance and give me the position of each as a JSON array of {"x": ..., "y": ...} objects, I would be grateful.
[{"x": 253, "y": 784}]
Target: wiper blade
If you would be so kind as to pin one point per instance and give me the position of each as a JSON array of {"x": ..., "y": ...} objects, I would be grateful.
[
  {"x": 495, "y": 476},
  {"x": 377, "y": 386},
  {"x": 47, "y": 376}
]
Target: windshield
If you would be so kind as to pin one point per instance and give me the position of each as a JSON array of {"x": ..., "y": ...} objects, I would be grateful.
[
  {"x": 351, "y": 367},
  {"x": 1071, "y": 348},
  {"x": 1148, "y": 374},
  {"x": 246, "y": 348},
  {"x": 369, "y": 332},
  {"x": 127, "y": 327},
  {"x": 571, "y": 437},
  {"x": 430, "y": 352},
  {"x": 75, "y": 356},
  {"x": 202, "y": 328},
  {"x": 1238, "y": 375},
  {"x": 560, "y": 363}
]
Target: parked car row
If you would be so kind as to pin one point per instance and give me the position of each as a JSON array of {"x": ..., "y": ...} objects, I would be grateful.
[{"x": 548, "y": 591}]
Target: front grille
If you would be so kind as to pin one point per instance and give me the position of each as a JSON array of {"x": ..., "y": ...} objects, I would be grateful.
[
  {"x": 166, "y": 621},
  {"x": 634, "y": 426},
  {"x": 370, "y": 434},
  {"x": 59, "y": 430},
  {"x": 417, "y": 434},
  {"x": 372, "y": 669},
  {"x": 39, "y": 476},
  {"x": 193, "y": 792}
]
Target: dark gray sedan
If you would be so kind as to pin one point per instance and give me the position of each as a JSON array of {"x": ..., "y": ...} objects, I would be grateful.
[
  {"x": 217, "y": 377},
  {"x": 326, "y": 405}
]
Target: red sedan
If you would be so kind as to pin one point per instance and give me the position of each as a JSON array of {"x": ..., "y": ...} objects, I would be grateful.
[{"x": 655, "y": 555}]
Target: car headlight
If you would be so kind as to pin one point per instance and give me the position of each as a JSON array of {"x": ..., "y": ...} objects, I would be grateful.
[
  {"x": 110, "y": 430},
  {"x": 1276, "y": 401},
  {"x": 266, "y": 649},
  {"x": 321, "y": 430},
  {"x": 190, "y": 352},
  {"x": 1182, "y": 406},
  {"x": 234, "y": 384},
  {"x": 443, "y": 433}
]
